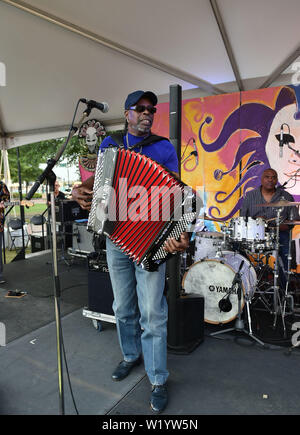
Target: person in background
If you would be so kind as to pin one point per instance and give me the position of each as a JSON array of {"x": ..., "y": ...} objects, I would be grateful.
[
  {"x": 269, "y": 192},
  {"x": 4, "y": 197},
  {"x": 58, "y": 195}
]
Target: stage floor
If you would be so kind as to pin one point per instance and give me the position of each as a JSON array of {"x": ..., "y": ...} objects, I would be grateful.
[{"x": 229, "y": 374}]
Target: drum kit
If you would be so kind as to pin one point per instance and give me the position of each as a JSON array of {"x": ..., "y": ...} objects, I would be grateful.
[{"x": 227, "y": 269}]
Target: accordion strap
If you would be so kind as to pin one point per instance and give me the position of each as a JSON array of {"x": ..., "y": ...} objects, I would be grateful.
[{"x": 118, "y": 139}]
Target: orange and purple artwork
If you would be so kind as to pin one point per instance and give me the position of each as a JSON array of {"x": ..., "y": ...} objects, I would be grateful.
[{"x": 235, "y": 139}]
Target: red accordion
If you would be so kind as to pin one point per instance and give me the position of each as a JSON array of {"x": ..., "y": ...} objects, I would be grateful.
[{"x": 138, "y": 204}]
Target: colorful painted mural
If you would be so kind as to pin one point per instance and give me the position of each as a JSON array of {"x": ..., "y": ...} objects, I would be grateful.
[{"x": 235, "y": 139}]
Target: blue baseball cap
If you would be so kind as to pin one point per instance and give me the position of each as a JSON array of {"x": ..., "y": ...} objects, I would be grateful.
[{"x": 134, "y": 97}]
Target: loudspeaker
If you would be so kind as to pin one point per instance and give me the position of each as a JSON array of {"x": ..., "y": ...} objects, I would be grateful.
[
  {"x": 173, "y": 265},
  {"x": 100, "y": 294},
  {"x": 190, "y": 324},
  {"x": 38, "y": 243}
]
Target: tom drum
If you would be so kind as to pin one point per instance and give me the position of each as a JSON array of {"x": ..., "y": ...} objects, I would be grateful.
[{"x": 207, "y": 244}]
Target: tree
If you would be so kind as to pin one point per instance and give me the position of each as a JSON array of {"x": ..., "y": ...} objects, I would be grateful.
[{"x": 32, "y": 155}]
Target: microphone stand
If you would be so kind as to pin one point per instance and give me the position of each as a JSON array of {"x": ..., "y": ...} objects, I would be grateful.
[
  {"x": 51, "y": 177},
  {"x": 57, "y": 293},
  {"x": 239, "y": 323}
]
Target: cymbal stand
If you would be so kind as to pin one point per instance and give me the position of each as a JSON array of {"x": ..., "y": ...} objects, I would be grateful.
[
  {"x": 276, "y": 299},
  {"x": 183, "y": 262},
  {"x": 286, "y": 295},
  {"x": 225, "y": 231}
]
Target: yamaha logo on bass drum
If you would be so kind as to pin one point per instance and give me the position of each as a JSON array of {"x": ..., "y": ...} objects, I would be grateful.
[{"x": 222, "y": 289}]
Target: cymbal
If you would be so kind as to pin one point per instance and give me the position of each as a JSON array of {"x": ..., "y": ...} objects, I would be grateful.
[
  {"x": 291, "y": 222},
  {"x": 281, "y": 203}
]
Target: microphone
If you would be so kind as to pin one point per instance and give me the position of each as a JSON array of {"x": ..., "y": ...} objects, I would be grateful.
[
  {"x": 94, "y": 104},
  {"x": 281, "y": 141},
  {"x": 225, "y": 305},
  {"x": 195, "y": 152}
]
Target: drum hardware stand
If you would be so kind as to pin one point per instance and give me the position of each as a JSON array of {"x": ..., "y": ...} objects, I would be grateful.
[
  {"x": 260, "y": 268},
  {"x": 276, "y": 299},
  {"x": 183, "y": 262},
  {"x": 288, "y": 296},
  {"x": 239, "y": 323},
  {"x": 224, "y": 231}
]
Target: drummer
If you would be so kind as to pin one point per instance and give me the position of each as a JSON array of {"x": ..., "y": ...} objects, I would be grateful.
[{"x": 269, "y": 192}]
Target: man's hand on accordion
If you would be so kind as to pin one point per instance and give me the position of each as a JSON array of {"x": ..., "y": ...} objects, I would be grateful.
[
  {"x": 83, "y": 195},
  {"x": 173, "y": 246}
]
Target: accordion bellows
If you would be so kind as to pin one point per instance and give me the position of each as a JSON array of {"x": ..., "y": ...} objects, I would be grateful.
[{"x": 138, "y": 204}]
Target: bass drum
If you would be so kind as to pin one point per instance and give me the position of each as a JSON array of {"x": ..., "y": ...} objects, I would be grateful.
[{"x": 212, "y": 278}]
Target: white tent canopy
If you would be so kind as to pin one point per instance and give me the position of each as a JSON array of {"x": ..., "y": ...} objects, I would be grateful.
[{"x": 57, "y": 51}]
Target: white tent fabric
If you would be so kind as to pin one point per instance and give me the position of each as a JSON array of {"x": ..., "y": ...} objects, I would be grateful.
[{"x": 57, "y": 51}]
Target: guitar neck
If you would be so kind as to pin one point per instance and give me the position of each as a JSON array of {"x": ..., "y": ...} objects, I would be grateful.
[
  {"x": 9, "y": 203},
  {"x": 12, "y": 203}
]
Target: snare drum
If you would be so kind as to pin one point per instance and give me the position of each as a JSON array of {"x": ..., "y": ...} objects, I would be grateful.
[
  {"x": 207, "y": 244},
  {"x": 212, "y": 278}
]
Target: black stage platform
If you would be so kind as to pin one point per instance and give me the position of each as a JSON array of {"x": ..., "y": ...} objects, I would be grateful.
[{"x": 229, "y": 374}]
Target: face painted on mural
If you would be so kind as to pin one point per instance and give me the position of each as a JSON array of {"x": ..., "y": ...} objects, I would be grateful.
[{"x": 287, "y": 165}]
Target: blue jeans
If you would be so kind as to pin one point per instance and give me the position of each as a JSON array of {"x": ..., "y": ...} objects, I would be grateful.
[{"x": 141, "y": 312}]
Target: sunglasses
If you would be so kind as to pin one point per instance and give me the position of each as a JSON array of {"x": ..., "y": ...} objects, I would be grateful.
[{"x": 141, "y": 108}]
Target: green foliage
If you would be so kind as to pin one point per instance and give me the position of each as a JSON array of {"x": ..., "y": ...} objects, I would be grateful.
[{"x": 32, "y": 155}]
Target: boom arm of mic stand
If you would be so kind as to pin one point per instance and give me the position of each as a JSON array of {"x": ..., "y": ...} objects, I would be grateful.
[{"x": 52, "y": 162}]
